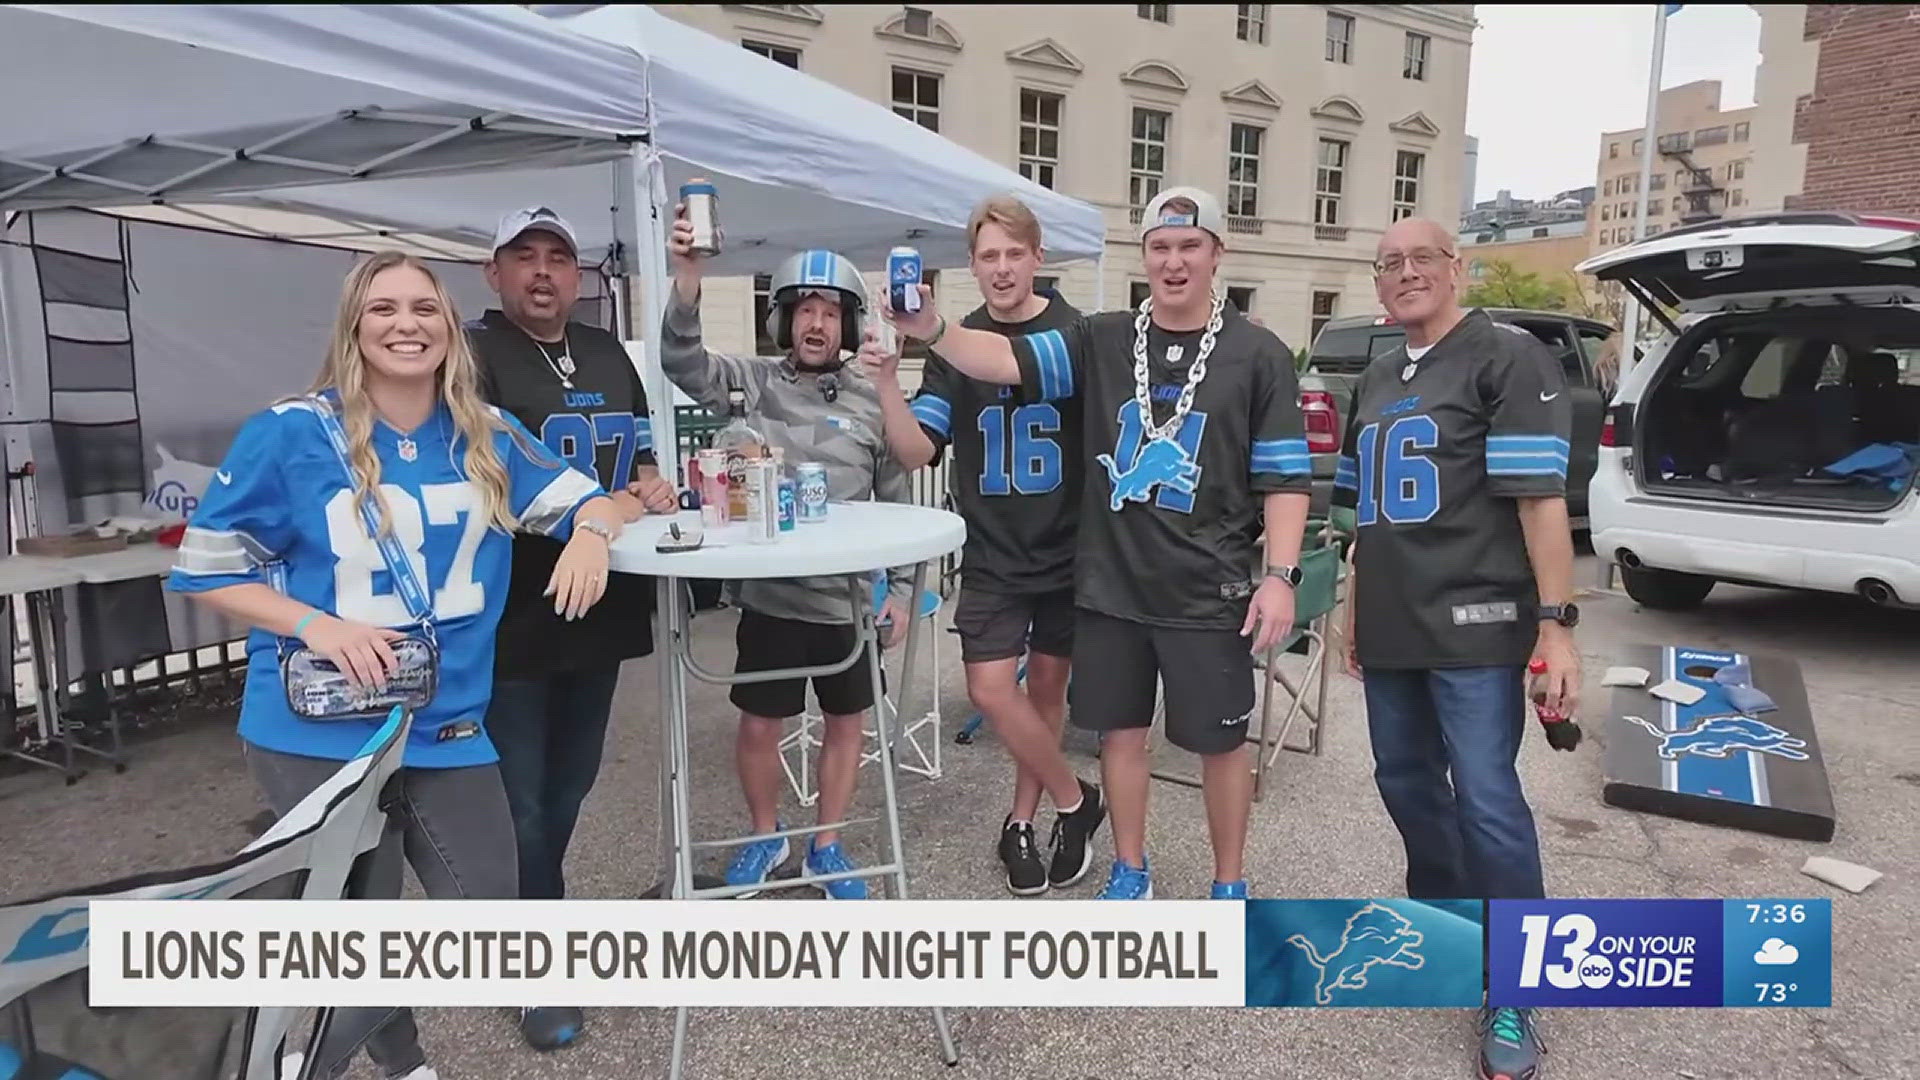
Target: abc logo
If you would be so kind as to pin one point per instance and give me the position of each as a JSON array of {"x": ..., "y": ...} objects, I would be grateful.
[{"x": 1596, "y": 972}]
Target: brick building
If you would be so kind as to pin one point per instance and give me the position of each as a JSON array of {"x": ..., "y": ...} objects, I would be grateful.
[{"x": 1840, "y": 95}]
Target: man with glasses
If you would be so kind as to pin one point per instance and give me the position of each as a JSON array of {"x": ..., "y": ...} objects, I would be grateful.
[{"x": 1455, "y": 465}]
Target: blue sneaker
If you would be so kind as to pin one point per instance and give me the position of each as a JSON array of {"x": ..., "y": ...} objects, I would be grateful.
[
  {"x": 1229, "y": 890},
  {"x": 1128, "y": 882},
  {"x": 754, "y": 862},
  {"x": 832, "y": 860},
  {"x": 1510, "y": 1047}
]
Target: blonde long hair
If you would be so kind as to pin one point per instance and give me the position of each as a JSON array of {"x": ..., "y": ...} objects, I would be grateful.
[{"x": 459, "y": 382}]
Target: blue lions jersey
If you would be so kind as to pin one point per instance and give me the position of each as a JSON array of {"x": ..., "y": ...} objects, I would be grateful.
[{"x": 282, "y": 497}]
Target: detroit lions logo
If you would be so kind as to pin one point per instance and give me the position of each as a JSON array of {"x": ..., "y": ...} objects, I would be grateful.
[
  {"x": 1717, "y": 736},
  {"x": 1373, "y": 935},
  {"x": 1162, "y": 462}
]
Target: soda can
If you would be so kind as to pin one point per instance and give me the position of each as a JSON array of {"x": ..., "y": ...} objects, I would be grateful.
[
  {"x": 903, "y": 280},
  {"x": 811, "y": 498},
  {"x": 763, "y": 501},
  {"x": 789, "y": 499},
  {"x": 713, "y": 487},
  {"x": 703, "y": 213}
]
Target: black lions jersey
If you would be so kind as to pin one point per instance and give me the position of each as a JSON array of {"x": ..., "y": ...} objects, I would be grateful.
[
  {"x": 1017, "y": 466},
  {"x": 1435, "y": 452},
  {"x": 1168, "y": 526},
  {"x": 600, "y": 426}
]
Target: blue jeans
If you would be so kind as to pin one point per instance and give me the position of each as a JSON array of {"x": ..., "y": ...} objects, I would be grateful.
[
  {"x": 1472, "y": 838},
  {"x": 550, "y": 733}
]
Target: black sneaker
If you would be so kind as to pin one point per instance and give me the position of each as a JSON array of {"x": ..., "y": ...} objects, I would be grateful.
[
  {"x": 1071, "y": 832},
  {"x": 550, "y": 1027},
  {"x": 1026, "y": 874}
]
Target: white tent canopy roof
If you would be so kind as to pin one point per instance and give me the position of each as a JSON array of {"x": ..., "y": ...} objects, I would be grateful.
[{"x": 344, "y": 111}]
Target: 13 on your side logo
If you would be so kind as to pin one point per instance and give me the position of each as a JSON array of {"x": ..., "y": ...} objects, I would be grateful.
[{"x": 1592, "y": 961}]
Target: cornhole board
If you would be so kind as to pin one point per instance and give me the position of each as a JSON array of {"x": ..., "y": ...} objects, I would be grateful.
[{"x": 1706, "y": 762}]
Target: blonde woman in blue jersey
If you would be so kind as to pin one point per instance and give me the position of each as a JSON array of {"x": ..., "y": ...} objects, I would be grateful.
[{"x": 279, "y": 543}]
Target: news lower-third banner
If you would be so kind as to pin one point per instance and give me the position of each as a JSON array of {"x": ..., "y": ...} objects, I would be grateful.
[{"x": 1367, "y": 953}]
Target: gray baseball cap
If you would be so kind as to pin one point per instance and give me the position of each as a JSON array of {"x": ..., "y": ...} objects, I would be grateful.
[
  {"x": 1206, "y": 213},
  {"x": 534, "y": 217}
]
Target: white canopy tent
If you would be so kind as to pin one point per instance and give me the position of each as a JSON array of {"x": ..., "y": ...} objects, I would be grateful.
[{"x": 428, "y": 121}]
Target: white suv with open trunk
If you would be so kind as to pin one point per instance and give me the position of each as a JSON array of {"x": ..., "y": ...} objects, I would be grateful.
[{"x": 1773, "y": 436}]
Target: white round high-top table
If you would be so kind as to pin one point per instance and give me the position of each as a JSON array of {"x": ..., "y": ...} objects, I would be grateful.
[{"x": 855, "y": 540}]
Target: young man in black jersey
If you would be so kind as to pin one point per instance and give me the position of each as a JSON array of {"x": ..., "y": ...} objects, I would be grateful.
[
  {"x": 1455, "y": 464},
  {"x": 574, "y": 387},
  {"x": 1192, "y": 417},
  {"x": 1017, "y": 475}
]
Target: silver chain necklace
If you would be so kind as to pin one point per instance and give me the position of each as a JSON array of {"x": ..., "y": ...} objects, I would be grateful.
[
  {"x": 565, "y": 368},
  {"x": 1142, "y": 378}
]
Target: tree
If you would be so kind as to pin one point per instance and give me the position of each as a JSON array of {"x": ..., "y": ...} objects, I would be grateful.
[{"x": 1503, "y": 285}]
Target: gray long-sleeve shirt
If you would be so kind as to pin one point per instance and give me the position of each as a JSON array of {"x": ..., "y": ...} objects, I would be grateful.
[{"x": 788, "y": 407}]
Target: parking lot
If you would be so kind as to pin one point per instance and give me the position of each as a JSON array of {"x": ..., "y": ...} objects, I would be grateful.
[{"x": 1320, "y": 832}]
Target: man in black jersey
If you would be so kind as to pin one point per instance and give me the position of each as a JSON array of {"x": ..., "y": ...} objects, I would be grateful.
[
  {"x": 574, "y": 387},
  {"x": 1193, "y": 442},
  {"x": 1455, "y": 464},
  {"x": 1017, "y": 475}
]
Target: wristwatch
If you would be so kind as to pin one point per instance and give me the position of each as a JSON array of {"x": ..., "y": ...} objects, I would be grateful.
[
  {"x": 595, "y": 528},
  {"x": 1292, "y": 575},
  {"x": 1567, "y": 615}
]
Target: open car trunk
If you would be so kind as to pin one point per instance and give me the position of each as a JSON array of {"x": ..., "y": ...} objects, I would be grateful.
[{"x": 1815, "y": 407}]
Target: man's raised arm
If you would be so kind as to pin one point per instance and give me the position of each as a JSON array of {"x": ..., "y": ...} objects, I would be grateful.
[{"x": 981, "y": 354}]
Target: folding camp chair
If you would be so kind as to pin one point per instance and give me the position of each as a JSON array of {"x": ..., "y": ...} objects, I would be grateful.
[{"x": 48, "y": 1026}]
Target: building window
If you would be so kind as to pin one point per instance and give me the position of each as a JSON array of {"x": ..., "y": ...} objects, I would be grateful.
[
  {"x": 1251, "y": 24},
  {"x": 1415, "y": 65},
  {"x": 1653, "y": 230},
  {"x": 1339, "y": 38},
  {"x": 1243, "y": 170},
  {"x": 1675, "y": 142},
  {"x": 918, "y": 22},
  {"x": 1136, "y": 292},
  {"x": 1737, "y": 170},
  {"x": 1740, "y": 131},
  {"x": 1613, "y": 150},
  {"x": 1655, "y": 208},
  {"x": 916, "y": 96},
  {"x": 1606, "y": 188},
  {"x": 1329, "y": 181},
  {"x": 1406, "y": 183},
  {"x": 1678, "y": 202},
  {"x": 1736, "y": 198},
  {"x": 1713, "y": 136},
  {"x": 1321, "y": 314},
  {"x": 1638, "y": 146},
  {"x": 762, "y": 341},
  {"x": 1241, "y": 298},
  {"x": 1039, "y": 136},
  {"x": 1148, "y": 160},
  {"x": 1606, "y": 213},
  {"x": 1154, "y": 12},
  {"x": 1657, "y": 182},
  {"x": 779, "y": 54}
]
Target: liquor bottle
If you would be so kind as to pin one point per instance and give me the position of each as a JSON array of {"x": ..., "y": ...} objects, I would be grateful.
[{"x": 741, "y": 443}]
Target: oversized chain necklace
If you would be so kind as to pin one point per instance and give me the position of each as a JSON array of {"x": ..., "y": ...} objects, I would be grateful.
[{"x": 1141, "y": 378}]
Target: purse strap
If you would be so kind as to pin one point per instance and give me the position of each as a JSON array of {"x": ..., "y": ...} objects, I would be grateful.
[{"x": 419, "y": 604}]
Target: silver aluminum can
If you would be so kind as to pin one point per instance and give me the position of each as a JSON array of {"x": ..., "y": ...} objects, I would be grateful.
[
  {"x": 810, "y": 479},
  {"x": 703, "y": 213}
]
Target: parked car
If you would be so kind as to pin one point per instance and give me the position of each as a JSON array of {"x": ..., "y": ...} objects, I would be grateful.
[
  {"x": 1772, "y": 437},
  {"x": 1347, "y": 345}
]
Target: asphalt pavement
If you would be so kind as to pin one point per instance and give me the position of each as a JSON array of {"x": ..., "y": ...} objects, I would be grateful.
[{"x": 1320, "y": 832}]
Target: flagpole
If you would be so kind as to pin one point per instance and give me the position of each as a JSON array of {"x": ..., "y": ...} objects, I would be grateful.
[{"x": 1630, "y": 329}]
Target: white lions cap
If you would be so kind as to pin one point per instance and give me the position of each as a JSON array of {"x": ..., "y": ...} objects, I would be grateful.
[
  {"x": 1206, "y": 213},
  {"x": 534, "y": 217}
]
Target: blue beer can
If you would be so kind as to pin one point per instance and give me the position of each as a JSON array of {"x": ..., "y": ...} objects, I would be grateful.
[
  {"x": 789, "y": 496},
  {"x": 903, "y": 280},
  {"x": 812, "y": 494}
]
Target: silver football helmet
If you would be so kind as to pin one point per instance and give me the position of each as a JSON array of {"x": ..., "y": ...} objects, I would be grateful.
[{"x": 816, "y": 272}]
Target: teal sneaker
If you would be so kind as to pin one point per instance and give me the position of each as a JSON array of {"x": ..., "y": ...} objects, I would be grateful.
[
  {"x": 832, "y": 860},
  {"x": 754, "y": 862},
  {"x": 1510, "y": 1048},
  {"x": 1229, "y": 890},
  {"x": 1128, "y": 882}
]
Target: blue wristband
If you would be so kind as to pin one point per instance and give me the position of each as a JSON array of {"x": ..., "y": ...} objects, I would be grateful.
[{"x": 300, "y": 628}]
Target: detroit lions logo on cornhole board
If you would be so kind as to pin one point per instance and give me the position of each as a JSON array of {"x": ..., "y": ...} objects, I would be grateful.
[{"x": 1744, "y": 755}]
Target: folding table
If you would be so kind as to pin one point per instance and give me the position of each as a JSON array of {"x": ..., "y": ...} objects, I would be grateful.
[{"x": 855, "y": 540}]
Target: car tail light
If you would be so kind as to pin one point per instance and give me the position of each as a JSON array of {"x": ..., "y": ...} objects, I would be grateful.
[
  {"x": 1323, "y": 421},
  {"x": 1607, "y": 432}
]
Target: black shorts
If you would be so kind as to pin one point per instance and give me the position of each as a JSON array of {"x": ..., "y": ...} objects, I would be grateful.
[
  {"x": 1001, "y": 626},
  {"x": 1208, "y": 677},
  {"x": 767, "y": 643}
]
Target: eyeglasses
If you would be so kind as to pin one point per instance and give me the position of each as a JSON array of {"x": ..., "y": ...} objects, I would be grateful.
[{"x": 1424, "y": 259}]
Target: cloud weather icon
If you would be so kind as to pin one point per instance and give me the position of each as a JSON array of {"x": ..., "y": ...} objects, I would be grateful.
[{"x": 1776, "y": 952}]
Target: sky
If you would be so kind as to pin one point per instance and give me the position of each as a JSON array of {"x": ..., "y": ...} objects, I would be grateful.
[{"x": 1547, "y": 80}]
